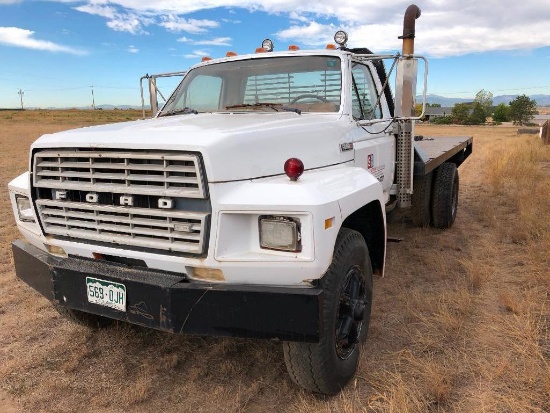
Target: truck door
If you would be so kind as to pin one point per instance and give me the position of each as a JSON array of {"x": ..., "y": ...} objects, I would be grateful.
[{"x": 373, "y": 139}]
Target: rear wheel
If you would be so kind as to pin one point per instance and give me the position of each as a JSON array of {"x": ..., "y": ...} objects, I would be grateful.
[
  {"x": 326, "y": 366},
  {"x": 445, "y": 195},
  {"x": 421, "y": 213}
]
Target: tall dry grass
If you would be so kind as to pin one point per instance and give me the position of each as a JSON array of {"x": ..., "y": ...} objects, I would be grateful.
[{"x": 460, "y": 323}]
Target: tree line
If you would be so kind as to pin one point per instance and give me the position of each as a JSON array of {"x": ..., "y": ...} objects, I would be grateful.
[{"x": 520, "y": 111}]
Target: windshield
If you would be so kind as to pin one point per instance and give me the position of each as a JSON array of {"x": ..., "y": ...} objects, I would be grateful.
[{"x": 297, "y": 83}]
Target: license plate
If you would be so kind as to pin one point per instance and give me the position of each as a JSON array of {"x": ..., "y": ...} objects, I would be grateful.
[{"x": 106, "y": 293}]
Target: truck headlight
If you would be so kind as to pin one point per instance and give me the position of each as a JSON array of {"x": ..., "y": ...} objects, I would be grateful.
[
  {"x": 280, "y": 233},
  {"x": 24, "y": 208}
]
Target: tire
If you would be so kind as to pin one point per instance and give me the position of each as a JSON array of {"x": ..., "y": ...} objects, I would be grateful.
[
  {"x": 445, "y": 195},
  {"x": 421, "y": 210},
  {"x": 88, "y": 320},
  {"x": 325, "y": 367}
]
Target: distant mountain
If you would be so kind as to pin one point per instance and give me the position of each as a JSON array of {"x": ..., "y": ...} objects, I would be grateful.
[
  {"x": 542, "y": 100},
  {"x": 442, "y": 100}
]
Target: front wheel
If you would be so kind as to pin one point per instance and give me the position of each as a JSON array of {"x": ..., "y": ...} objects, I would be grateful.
[{"x": 326, "y": 366}]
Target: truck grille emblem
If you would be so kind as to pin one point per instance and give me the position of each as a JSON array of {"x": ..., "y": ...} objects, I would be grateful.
[
  {"x": 127, "y": 200},
  {"x": 92, "y": 197}
]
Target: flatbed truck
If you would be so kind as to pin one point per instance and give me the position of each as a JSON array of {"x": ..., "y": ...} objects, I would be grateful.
[{"x": 253, "y": 204}]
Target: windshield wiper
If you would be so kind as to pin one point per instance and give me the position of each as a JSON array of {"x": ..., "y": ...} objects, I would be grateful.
[
  {"x": 289, "y": 109},
  {"x": 274, "y": 106},
  {"x": 254, "y": 105},
  {"x": 183, "y": 111}
]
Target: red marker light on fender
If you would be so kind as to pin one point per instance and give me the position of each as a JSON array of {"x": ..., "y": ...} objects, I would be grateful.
[{"x": 294, "y": 168}]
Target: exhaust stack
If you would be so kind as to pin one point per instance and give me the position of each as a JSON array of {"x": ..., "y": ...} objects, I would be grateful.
[
  {"x": 411, "y": 14},
  {"x": 407, "y": 69}
]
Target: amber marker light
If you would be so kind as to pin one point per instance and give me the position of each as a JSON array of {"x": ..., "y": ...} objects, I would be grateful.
[
  {"x": 260, "y": 50},
  {"x": 331, "y": 46},
  {"x": 294, "y": 168},
  {"x": 230, "y": 54},
  {"x": 206, "y": 59},
  {"x": 293, "y": 47}
]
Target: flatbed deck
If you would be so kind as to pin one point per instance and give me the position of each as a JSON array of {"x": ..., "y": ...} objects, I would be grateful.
[{"x": 430, "y": 152}]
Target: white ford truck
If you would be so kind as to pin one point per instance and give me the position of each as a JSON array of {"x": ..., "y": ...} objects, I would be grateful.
[{"x": 253, "y": 204}]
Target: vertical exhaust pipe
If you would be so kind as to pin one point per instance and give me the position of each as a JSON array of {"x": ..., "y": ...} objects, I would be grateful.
[
  {"x": 405, "y": 92},
  {"x": 411, "y": 14}
]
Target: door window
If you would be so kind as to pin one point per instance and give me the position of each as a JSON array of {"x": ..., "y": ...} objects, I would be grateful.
[{"x": 364, "y": 96}]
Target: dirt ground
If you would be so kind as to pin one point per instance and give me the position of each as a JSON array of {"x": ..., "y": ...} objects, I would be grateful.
[{"x": 460, "y": 322}]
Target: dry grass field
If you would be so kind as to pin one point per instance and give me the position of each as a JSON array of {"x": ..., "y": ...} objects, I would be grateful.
[{"x": 460, "y": 323}]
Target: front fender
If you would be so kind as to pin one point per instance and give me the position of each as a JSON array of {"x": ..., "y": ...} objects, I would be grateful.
[{"x": 322, "y": 200}]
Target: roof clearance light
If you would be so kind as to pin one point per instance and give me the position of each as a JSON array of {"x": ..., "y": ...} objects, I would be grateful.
[
  {"x": 267, "y": 44},
  {"x": 260, "y": 50},
  {"x": 206, "y": 59},
  {"x": 294, "y": 168},
  {"x": 330, "y": 46},
  {"x": 341, "y": 37},
  {"x": 230, "y": 54},
  {"x": 293, "y": 47}
]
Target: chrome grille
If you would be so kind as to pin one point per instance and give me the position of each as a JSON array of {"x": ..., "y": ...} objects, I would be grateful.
[
  {"x": 147, "y": 173},
  {"x": 151, "y": 179},
  {"x": 168, "y": 230}
]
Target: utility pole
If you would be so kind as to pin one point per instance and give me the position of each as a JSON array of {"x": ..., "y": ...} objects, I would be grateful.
[
  {"x": 21, "y": 93},
  {"x": 93, "y": 100}
]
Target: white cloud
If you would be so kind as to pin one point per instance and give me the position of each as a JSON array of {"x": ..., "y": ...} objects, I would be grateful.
[
  {"x": 15, "y": 36},
  {"x": 313, "y": 34},
  {"x": 451, "y": 27},
  {"x": 217, "y": 41},
  {"x": 132, "y": 49},
  {"x": 116, "y": 20},
  {"x": 127, "y": 23},
  {"x": 178, "y": 24},
  {"x": 231, "y": 21},
  {"x": 295, "y": 16},
  {"x": 98, "y": 10},
  {"x": 196, "y": 54}
]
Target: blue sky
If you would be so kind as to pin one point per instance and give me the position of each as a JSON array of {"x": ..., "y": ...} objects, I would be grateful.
[{"x": 55, "y": 50}]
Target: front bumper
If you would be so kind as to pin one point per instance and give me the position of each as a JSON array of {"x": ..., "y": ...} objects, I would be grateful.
[{"x": 169, "y": 302}]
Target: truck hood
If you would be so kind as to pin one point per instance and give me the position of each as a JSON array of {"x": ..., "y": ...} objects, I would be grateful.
[{"x": 234, "y": 146}]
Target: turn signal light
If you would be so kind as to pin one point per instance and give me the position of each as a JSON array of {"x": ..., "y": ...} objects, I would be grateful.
[
  {"x": 294, "y": 168},
  {"x": 55, "y": 250},
  {"x": 207, "y": 274}
]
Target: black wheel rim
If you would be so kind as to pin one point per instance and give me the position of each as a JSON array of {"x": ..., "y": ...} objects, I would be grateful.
[{"x": 351, "y": 312}]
